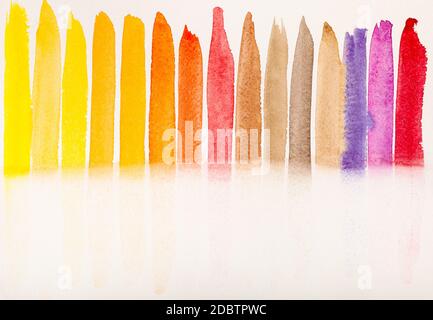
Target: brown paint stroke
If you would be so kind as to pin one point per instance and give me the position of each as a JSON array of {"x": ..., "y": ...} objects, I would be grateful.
[
  {"x": 275, "y": 94},
  {"x": 248, "y": 105},
  {"x": 300, "y": 100},
  {"x": 330, "y": 101}
]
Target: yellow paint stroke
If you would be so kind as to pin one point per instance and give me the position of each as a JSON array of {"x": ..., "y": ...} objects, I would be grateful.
[
  {"x": 17, "y": 101},
  {"x": 74, "y": 99},
  {"x": 162, "y": 120},
  {"x": 46, "y": 92},
  {"x": 330, "y": 101},
  {"x": 103, "y": 93},
  {"x": 132, "y": 94}
]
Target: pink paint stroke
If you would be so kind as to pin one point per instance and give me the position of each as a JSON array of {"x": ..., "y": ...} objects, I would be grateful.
[
  {"x": 381, "y": 97},
  {"x": 220, "y": 93}
]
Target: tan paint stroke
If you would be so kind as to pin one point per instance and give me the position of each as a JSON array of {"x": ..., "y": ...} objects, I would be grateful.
[
  {"x": 275, "y": 95},
  {"x": 300, "y": 100},
  {"x": 248, "y": 105},
  {"x": 330, "y": 101}
]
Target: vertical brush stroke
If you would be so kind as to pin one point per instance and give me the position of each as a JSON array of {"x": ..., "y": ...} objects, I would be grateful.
[
  {"x": 74, "y": 98},
  {"x": 162, "y": 110},
  {"x": 248, "y": 97},
  {"x": 355, "y": 59},
  {"x": 46, "y": 92},
  {"x": 410, "y": 95},
  {"x": 330, "y": 101},
  {"x": 275, "y": 94},
  {"x": 132, "y": 94},
  {"x": 17, "y": 100},
  {"x": 381, "y": 96},
  {"x": 300, "y": 99},
  {"x": 103, "y": 93},
  {"x": 220, "y": 91},
  {"x": 190, "y": 97}
]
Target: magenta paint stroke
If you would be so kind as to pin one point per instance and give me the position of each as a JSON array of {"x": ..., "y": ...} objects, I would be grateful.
[
  {"x": 355, "y": 114},
  {"x": 381, "y": 97}
]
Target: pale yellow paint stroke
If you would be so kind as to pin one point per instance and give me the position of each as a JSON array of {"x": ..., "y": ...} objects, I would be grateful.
[
  {"x": 17, "y": 101},
  {"x": 330, "y": 102},
  {"x": 74, "y": 99},
  {"x": 46, "y": 92}
]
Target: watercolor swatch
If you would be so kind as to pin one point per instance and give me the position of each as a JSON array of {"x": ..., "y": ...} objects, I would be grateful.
[
  {"x": 190, "y": 98},
  {"x": 300, "y": 99},
  {"x": 248, "y": 98},
  {"x": 355, "y": 59},
  {"x": 330, "y": 101},
  {"x": 275, "y": 95},
  {"x": 103, "y": 93},
  {"x": 381, "y": 97},
  {"x": 220, "y": 93},
  {"x": 412, "y": 72},
  {"x": 162, "y": 109},
  {"x": 17, "y": 100},
  {"x": 74, "y": 98},
  {"x": 46, "y": 92},
  {"x": 132, "y": 94}
]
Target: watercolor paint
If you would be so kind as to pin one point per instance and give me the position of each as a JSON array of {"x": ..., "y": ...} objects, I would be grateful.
[
  {"x": 275, "y": 103},
  {"x": 354, "y": 116},
  {"x": 132, "y": 94},
  {"x": 381, "y": 97},
  {"x": 412, "y": 70},
  {"x": 46, "y": 92},
  {"x": 190, "y": 91},
  {"x": 330, "y": 101},
  {"x": 162, "y": 119},
  {"x": 220, "y": 93},
  {"x": 74, "y": 97},
  {"x": 17, "y": 99},
  {"x": 248, "y": 98},
  {"x": 103, "y": 93},
  {"x": 355, "y": 113},
  {"x": 300, "y": 99}
]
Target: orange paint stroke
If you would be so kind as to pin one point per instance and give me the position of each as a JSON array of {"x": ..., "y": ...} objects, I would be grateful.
[
  {"x": 162, "y": 109},
  {"x": 132, "y": 94},
  {"x": 103, "y": 93}
]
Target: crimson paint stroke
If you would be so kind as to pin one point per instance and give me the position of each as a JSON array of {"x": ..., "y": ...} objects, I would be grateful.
[{"x": 412, "y": 72}]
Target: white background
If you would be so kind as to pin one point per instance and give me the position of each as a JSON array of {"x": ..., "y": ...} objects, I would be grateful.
[{"x": 270, "y": 236}]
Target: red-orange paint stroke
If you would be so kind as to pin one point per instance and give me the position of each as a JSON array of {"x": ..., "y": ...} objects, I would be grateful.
[{"x": 190, "y": 98}]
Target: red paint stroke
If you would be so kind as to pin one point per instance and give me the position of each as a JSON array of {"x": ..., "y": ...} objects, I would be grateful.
[
  {"x": 412, "y": 72},
  {"x": 220, "y": 93}
]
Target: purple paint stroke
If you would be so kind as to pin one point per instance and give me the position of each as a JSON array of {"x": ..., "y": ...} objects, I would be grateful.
[
  {"x": 381, "y": 96},
  {"x": 355, "y": 58}
]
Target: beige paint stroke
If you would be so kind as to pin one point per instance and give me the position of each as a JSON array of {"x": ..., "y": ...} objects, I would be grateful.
[
  {"x": 275, "y": 94},
  {"x": 300, "y": 100},
  {"x": 330, "y": 101},
  {"x": 248, "y": 99}
]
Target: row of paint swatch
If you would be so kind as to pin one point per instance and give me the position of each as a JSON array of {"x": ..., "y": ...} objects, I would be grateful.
[{"x": 354, "y": 113}]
